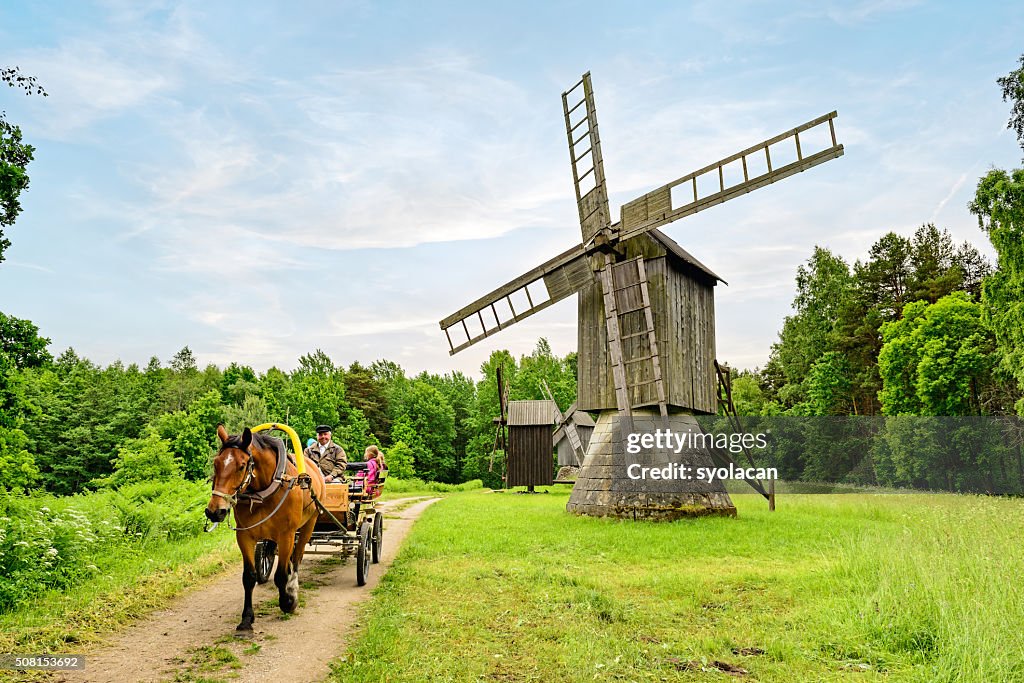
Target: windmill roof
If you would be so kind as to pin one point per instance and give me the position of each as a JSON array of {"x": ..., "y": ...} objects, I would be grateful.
[
  {"x": 580, "y": 418},
  {"x": 525, "y": 413},
  {"x": 684, "y": 255}
]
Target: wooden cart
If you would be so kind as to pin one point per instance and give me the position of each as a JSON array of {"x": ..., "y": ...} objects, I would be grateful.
[{"x": 349, "y": 519}]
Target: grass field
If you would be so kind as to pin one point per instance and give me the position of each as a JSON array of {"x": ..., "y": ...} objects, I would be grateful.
[
  {"x": 130, "y": 585},
  {"x": 503, "y": 587}
]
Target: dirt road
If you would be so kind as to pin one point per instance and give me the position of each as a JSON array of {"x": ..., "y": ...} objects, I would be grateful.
[{"x": 196, "y": 638}]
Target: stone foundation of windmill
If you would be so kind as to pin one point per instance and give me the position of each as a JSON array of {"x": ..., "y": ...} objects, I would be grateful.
[{"x": 603, "y": 487}]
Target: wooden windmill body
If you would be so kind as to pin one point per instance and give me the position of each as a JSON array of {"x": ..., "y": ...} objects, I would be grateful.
[
  {"x": 646, "y": 353},
  {"x": 566, "y": 453},
  {"x": 530, "y": 456}
]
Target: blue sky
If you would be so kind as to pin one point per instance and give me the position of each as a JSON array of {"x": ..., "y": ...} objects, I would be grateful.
[{"x": 257, "y": 181}]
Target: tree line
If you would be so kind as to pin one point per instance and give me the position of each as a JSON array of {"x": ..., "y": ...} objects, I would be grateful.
[
  {"x": 922, "y": 327},
  {"x": 69, "y": 425}
]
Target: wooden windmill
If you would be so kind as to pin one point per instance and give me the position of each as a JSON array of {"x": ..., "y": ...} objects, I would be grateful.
[
  {"x": 523, "y": 433},
  {"x": 646, "y": 310},
  {"x": 567, "y": 438},
  {"x": 529, "y": 460}
]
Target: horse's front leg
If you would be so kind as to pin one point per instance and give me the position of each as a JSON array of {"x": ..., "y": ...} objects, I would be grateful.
[
  {"x": 286, "y": 578},
  {"x": 248, "y": 547}
]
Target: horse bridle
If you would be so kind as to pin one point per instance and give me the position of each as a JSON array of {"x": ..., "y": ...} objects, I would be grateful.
[
  {"x": 250, "y": 472},
  {"x": 260, "y": 496}
]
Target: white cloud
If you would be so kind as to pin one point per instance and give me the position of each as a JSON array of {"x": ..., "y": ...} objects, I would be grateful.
[
  {"x": 429, "y": 151},
  {"x": 86, "y": 84},
  {"x": 949, "y": 195},
  {"x": 849, "y": 14},
  {"x": 28, "y": 266}
]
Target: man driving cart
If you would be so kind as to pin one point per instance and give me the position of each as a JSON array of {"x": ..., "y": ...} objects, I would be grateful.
[{"x": 329, "y": 456}]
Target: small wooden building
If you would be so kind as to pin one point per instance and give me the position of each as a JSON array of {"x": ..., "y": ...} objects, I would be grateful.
[
  {"x": 683, "y": 303},
  {"x": 584, "y": 427},
  {"x": 530, "y": 458}
]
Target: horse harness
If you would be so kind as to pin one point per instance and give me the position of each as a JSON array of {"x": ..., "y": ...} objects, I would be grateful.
[{"x": 242, "y": 493}]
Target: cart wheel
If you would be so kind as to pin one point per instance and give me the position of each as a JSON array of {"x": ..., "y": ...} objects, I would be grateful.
[
  {"x": 378, "y": 535},
  {"x": 363, "y": 553},
  {"x": 264, "y": 560}
]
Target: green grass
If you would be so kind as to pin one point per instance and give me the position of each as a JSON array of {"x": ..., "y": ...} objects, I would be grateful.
[
  {"x": 403, "y": 488},
  {"x": 840, "y": 587},
  {"x": 211, "y": 663},
  {"x": 128, "y": 585}
]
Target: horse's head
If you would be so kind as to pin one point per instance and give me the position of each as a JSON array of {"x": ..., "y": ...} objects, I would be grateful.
[{"x": 232, "y": 472}]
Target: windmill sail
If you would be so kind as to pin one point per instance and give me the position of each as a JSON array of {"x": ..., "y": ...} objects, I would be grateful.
[
  {"x": 535, "y": 290},
  {"x": 656, "y": 208},
  {"x": 585, "y": 158},
  {"x": 565, "y": 423}
]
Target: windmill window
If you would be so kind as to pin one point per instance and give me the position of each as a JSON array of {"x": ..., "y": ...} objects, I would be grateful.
[
  {"x": 581, "y": 153},
  {"x": 576, "y": 122},
  {"x": 581, "y": 143},
  {"x": 502, "y": 311},
  {"x": 732, "y": 173},
  {"x": 585, "y": 161},
  {"x": 707, "y": 184},
  {"x": 459, "y": 334},
  {"x": 682, "y": 194},
  {"x": 520, "y": 304},
  {"x": 474, "y": 326},
  {"x": 587, "y": 182}
]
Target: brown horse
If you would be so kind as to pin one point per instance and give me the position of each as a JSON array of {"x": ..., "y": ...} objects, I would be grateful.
[{"x": 270, "y": 503}]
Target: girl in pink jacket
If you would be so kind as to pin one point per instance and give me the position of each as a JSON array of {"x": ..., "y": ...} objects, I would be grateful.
[{"x": 374, "y": 464}]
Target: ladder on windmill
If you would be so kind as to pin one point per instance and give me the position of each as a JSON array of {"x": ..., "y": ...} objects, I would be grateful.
[{"x": 632, "y": 338}]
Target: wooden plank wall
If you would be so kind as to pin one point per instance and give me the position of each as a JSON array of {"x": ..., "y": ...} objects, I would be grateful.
[
  {"x": 684, "y": 314},
  {"x": 565, "y": 454},
  {"x": 531, "y": 459},
  {"x": 594, "y": 376}
]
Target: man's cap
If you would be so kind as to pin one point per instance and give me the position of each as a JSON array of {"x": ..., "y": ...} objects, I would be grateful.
[{"x": 323, "y": 428}]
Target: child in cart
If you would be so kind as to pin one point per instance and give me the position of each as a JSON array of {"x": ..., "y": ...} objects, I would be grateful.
[{"x": 372, "y": 475}]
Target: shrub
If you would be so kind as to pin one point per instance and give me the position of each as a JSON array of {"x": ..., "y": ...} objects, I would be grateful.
[
  {"x": 49, "y": 542},
  {"x": 144, "y": 460},
  {"x": 162, "y": 510},
  {"x": 43, "y": 548},
  {"x": 17, "y": 466},
  {"x": 399, "y": 459},
  {"x": 395, "y": 485}
]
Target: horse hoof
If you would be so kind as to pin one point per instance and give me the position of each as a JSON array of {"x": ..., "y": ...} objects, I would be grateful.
[{"x": 244, "y": 626}]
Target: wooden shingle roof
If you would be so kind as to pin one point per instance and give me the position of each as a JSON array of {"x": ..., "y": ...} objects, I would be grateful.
[
  {"x": 676, "y": 250},
  {"x": 524, "y": 413}
]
